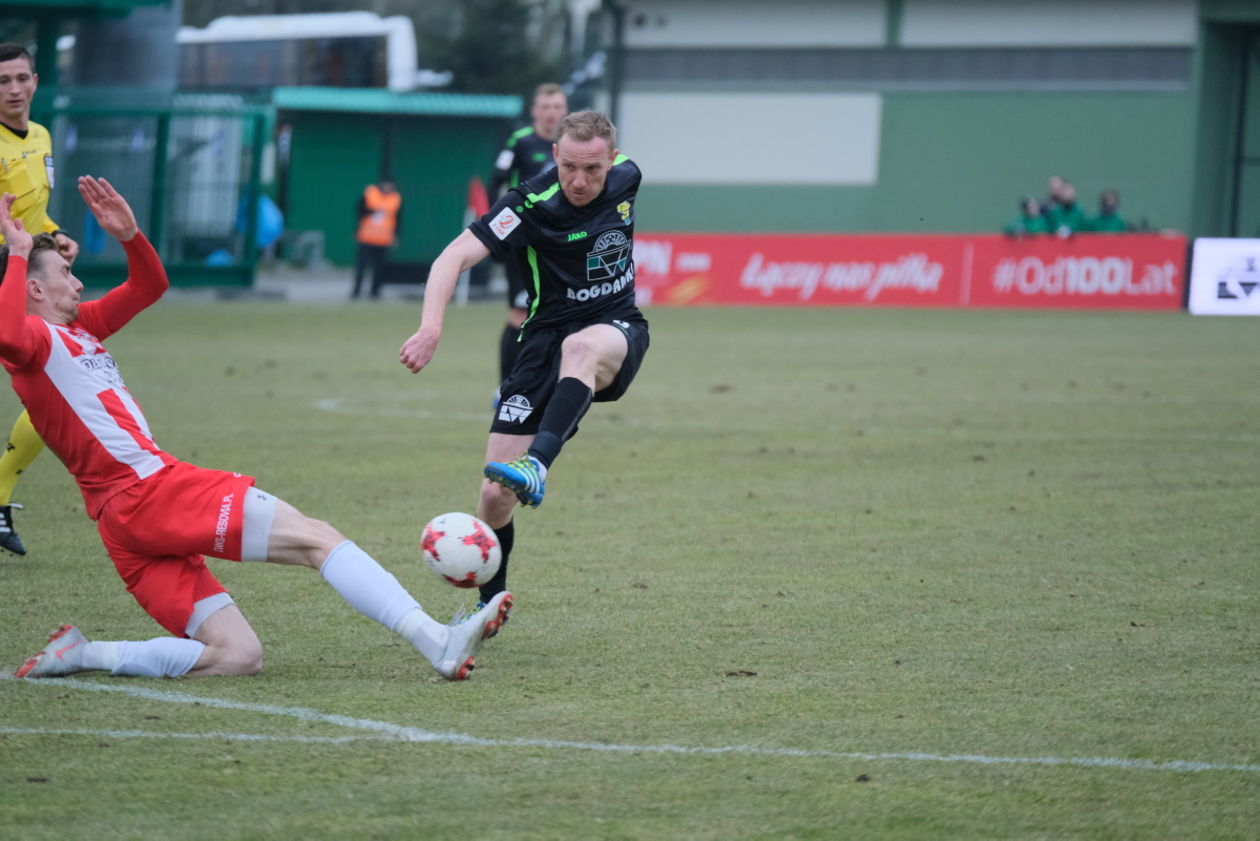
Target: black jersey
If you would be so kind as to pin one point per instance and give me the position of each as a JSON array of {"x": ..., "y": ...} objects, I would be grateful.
[
  {"x": 524, "y": 156},
  {"x": 578, "y": 261}
]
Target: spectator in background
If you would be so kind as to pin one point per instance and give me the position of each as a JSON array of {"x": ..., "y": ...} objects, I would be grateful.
[
  {"x": 1108, "y": 220},
  {"x": 1066, "y": 217},
  {"x": 1029, "y": 221},
  {"x": 380, "y": 214},
  {"x": 1053, "y": 196}
]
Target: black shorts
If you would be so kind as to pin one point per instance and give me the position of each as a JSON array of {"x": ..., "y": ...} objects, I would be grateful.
[
  {"x": 528, "y": 388},
  {"x": 517, "y": 297}
]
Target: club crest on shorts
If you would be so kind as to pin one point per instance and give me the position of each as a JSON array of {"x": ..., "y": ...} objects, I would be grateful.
[{"x": 515, "y": 409}]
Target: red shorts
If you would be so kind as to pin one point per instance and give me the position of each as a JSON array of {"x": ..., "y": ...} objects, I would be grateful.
[{"x": 157, "y": 531}]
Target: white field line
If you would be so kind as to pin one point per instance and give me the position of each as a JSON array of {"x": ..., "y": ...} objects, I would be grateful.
[{"x": 387, "y": 731}]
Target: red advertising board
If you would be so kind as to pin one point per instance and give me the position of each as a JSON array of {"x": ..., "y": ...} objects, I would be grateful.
[{"x": 1129, "y": 271}]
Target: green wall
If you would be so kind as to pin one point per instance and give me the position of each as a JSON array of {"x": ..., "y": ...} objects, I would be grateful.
[
  {"x": 958, "y": 162},
  {"x": 334, "y": 156}
]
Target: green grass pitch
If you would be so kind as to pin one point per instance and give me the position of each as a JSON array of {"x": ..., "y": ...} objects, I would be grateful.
[{"x": 822, "y": 574}]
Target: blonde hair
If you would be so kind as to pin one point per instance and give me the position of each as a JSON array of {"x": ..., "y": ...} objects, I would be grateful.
[
  {"x": 548, "y": 89},
  {"x": 588, "y": 125}
]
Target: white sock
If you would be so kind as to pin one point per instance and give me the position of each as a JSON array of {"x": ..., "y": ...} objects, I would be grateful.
[
  {"x": 375, "y": 592},
  {"x": 160, "y": 657},
  {"x": 101, "y": 655}
]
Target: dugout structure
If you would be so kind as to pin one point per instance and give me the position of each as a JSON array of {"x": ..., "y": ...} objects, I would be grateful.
[
  {"x": 192, "y": 167},
  {"x": 339, "y": 140}
]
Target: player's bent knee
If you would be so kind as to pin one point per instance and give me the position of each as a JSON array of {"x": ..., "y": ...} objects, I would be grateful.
[
  {"x": 578, "y": 347},
  {"x": 244, "y": 658}
]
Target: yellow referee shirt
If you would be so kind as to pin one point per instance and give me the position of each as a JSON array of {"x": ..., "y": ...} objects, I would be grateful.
[{"x": 26, "y": 171}]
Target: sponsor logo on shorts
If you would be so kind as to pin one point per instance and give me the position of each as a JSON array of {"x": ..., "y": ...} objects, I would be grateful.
[
  {"x": 515, "y": 409},
  {"x": 221, "y": 527},
  {"x": 504, "y": 223}
]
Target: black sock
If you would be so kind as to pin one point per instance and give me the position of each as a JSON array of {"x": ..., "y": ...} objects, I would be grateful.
[
  {"x": 509, "y": 349},
  {"x": 570, "y": 401},
  {"x": 507, "y": 536}
]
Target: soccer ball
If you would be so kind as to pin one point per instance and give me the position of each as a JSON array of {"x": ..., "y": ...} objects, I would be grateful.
[{"x": 460, "y": 549}]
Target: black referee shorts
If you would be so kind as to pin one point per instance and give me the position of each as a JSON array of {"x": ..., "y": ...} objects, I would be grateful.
[{"x": 528, "y": 388}]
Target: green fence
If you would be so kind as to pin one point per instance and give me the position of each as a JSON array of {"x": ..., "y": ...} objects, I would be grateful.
[{"x": 192, "y": 167}]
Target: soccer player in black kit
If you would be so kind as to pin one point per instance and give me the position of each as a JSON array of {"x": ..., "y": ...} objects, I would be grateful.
[
  {"x": 572, "y": 230},
  {"x": 526, "y": 154}
]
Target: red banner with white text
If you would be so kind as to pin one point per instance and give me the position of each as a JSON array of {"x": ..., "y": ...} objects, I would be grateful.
[{"x": 1088, "y": 271}]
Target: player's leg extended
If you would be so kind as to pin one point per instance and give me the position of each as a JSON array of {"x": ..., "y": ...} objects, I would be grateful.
[
  {"x": 68, "y": 652},
  {"x": 24, "y": 445},
  {"x": 496, "y": 505},
  {"x": 295, "y": 539},
  {"x": 589, "y": 361}
]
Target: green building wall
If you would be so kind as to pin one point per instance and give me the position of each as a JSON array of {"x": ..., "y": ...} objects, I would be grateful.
[
  {"x": 958, "y": 162},
  {"x": 432, "y": 158}
]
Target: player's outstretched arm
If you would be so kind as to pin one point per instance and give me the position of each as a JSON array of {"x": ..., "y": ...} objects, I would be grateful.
[
  {"x": 464, "y": 252},
  {"x": 15, "y": 345},
  {"x": 146, "y": 278},
  {"x": 109, "y": 207}
]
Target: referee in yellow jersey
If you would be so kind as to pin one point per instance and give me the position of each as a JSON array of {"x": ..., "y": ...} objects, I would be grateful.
[{"x": 26, "y": 171}]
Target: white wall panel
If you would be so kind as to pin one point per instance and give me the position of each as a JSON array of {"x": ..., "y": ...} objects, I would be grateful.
[
  {"x": 703, "y": 138},
  {"x": 999, "y": 23}
]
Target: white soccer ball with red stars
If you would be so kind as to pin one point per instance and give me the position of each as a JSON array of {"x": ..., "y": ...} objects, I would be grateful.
[{"x": 460, "y": 549}]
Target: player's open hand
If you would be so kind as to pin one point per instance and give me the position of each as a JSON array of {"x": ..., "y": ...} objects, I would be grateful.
[
  {"x": 418, "y": 350},
  {"x": 110, "y": 209},
  {"x": 15, "y": 234}
]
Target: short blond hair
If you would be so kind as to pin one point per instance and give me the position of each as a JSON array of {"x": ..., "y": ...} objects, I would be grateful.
[
  {"x": 588, "y": 125},
  {"x": 549, "y": 89}
]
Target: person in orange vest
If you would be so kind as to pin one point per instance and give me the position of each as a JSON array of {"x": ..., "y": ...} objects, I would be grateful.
[{"x": 380, "y": 214}]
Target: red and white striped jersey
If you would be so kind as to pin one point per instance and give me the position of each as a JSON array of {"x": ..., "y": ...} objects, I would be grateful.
[{"x": 71, "y": 385}]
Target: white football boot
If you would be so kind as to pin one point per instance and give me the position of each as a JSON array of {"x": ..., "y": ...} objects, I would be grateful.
[
  {"x": 466, "y": 634},
  {"x": 62, "y": 655}
]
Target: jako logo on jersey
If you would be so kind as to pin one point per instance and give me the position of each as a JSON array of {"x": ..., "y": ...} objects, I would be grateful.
[
  {"x": 577, "y": 235},
  {"x": 504, "y": 223},
  {"x": 515, "y": 409}
]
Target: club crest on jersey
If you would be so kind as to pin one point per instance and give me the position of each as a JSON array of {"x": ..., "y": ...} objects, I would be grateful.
[
  {"x": 515, "y": 409},
  {"x": 504, "y": 223},
  {"x": 609, "y": 258},
  {"x": 624, "y": 210}
]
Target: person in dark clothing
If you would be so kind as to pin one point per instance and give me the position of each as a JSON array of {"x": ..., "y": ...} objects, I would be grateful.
[
  {"x": 584, "y": 338},
  {"x": 526, "y": 154}
]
